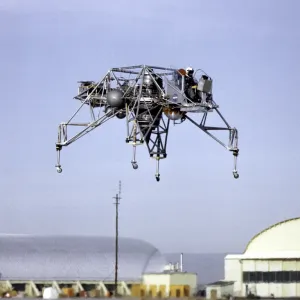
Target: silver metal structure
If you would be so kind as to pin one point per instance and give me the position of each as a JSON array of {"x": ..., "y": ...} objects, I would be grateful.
[{"x": 148, "y": 98}]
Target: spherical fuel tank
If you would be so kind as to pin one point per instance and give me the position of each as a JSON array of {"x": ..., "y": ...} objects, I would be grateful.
[
  {"x": 147, "y": 80},
  {"x": 115, "y": 98},
  {"x": 173, "y": 114}
]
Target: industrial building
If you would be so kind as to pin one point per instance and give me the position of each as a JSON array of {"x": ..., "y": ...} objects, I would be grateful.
[
  {"x": 86, "y": 264},
  {"x": 269, "y": 266}
]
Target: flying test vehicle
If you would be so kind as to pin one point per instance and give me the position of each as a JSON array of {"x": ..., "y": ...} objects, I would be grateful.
[{"x": 148, "y": 98}]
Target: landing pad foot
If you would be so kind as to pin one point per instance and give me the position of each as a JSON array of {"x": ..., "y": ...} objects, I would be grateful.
[
  {"x": 58, "y": 169},
  {"x": 235, "y": 174},
  {"x": 134, "y": 165}
]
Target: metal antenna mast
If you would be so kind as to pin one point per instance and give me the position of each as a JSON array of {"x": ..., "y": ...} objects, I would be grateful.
[{"x": 117, "y": 203}]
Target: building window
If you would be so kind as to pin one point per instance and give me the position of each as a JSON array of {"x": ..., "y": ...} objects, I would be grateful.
[
  {"x": 259, "y": 276},
  {"x": 294, "y": 276},
  {"x": 246, "y": 276},
  {"x": 275, "y": 277},
  {"x": 279, "y": 276},
  {"x": 266, "y": 277},
  {"x": 286, "y": 276},
  {"x": 272, "y": 277}
]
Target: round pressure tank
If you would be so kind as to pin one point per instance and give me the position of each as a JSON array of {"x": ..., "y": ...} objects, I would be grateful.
[
  {"x": 147, "y": 80},
  {"x": 115, "y": 98},
  {"x": 173, "y": 114}
]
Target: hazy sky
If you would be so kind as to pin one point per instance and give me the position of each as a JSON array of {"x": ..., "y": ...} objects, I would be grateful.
[{"x": 250, "y": 48}]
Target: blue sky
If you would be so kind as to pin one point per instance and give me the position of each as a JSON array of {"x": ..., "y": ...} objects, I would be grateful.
[{"x": 250, "y": 48}]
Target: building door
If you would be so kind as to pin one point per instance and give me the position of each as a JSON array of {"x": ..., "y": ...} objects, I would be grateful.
[{"x": 213, "y": 294}]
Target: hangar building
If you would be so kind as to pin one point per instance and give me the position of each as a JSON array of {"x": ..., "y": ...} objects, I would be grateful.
[
  {"x": 269, "y": 266},
  {"x": 75, "y": 257},
  {"x": 81, "y": 263}
]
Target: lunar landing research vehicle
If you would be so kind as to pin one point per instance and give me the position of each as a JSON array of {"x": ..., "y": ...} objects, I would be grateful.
[{"x": 148, "y": 98}]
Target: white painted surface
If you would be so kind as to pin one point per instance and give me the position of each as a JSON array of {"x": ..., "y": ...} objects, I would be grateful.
[
  {"x": 157, "y": 279},
  {"x": 275, "y": 249},
  {"x": 289, "y": 290},
  {"x": 275, "y": 265},
  {"x": 233, "y": 272},
  {"x": 259, "y": 289},
  {"x": 249, "y": 265},
  {"x": 160, "y": 279},
  {"x": 233, "y": 269},
  {"x": 275, "y": 289},
  {"x": 298, "y": 288},
  {"x": 50, "y": 293},
  {"x": 266, "y": 255},
  {"x": 189, "y": 279},
  {"x": 289, "y": 265},
  {"x": 280, "y": 237},
  {"x": 261, "y": 265}
]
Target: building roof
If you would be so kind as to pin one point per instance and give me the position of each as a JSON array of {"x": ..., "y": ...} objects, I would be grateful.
[
  {"x": 280, "y": 237},
  {"x": 170, "y": 273},
  {"x": 36, "y": 257},
  {"x": 265, "y": 255},
  {"x": 220, "y": 283}
]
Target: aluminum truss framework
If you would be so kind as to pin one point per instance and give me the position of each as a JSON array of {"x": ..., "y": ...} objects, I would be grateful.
[{"x": 143, "y": 111}]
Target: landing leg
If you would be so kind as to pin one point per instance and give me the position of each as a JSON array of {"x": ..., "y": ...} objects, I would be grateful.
[
  {"x": 58, "y": 166},
  {"x": 157, "y": 144},
  {"x": 235, "y": 151},
  {"x": 63, "y": 140},
  {"x": 235, "y": 172},
  {"x": 157, "y": 175},
  {"x": 134, "y": 143},
  {"x": 134, "y": 162},
  {"x": 233, "y": 137}
]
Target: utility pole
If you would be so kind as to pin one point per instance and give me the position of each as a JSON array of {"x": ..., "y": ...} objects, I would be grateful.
[{"x": 117, "y": 203}]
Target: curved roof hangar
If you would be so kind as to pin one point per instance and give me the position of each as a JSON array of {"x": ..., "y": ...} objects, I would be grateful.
[
  {"x": 280, "y": 237},
  {"x": 36, "y": 257}
]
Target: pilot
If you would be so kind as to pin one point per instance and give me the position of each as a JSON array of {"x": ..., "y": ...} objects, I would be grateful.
[
  {"x": 190, "y": 84},
  {"x": 189, "y": 75}
]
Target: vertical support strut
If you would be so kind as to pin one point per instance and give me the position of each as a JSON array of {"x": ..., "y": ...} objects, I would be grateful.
[
  {"x": 134, "y": 137},
  {"x": 157, "y": 146},
  {"x": 157, "y": 175},
  {"x": 235, "y": 151}
]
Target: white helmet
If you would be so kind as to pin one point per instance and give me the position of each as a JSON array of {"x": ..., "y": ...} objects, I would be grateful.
[{"x": 189, "y": 70}]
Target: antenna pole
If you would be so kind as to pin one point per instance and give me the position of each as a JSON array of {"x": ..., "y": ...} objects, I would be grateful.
[{"x": 117, "y": 203}]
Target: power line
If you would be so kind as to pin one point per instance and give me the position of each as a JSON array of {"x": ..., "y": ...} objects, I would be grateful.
[{"x": 117, "y": 203}]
